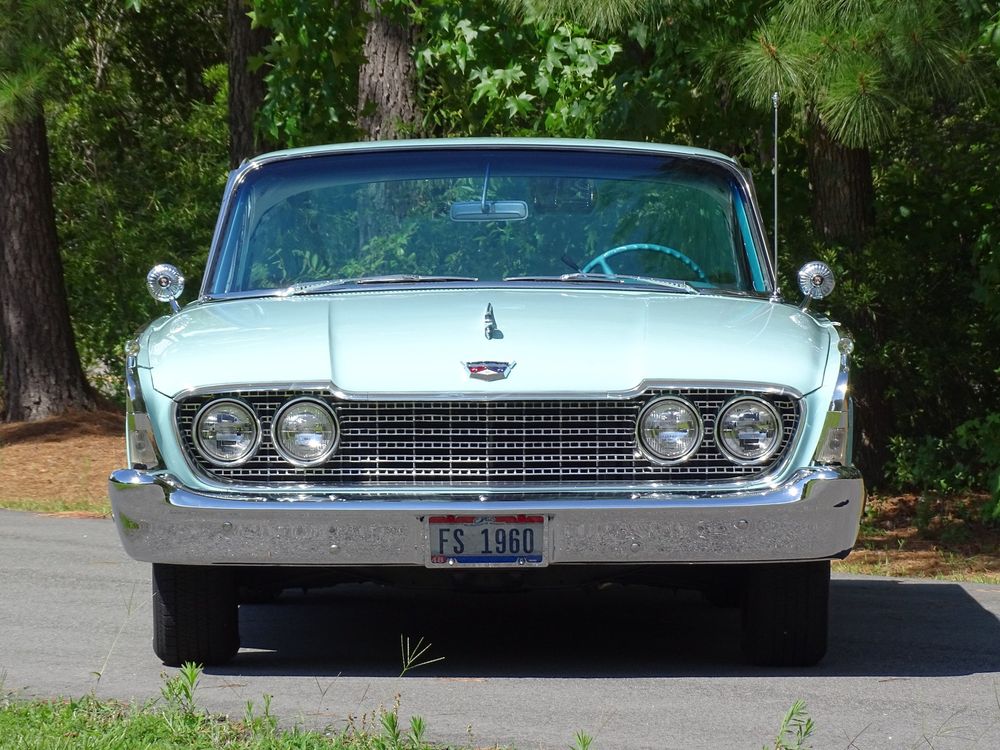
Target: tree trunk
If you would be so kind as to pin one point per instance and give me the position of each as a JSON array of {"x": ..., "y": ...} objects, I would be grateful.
[
  {"x": 874, "y": 419},
  {"x": 387, "y": 89},
  {"x": 843, "y": 192},
  {"x": 246, "y": 89},
  {"x": 41, "y": 368}
]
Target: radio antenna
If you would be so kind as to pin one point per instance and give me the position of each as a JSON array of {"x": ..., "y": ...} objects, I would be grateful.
[{"x": 776, "y": 294}]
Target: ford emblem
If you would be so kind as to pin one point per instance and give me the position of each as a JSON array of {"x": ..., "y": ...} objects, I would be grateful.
[{"x": 489, "y": 370}]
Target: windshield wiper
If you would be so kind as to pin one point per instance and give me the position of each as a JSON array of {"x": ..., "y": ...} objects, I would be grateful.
[
  {"x": 317, "y": 287},
  {"x": 600, "y": 278},
  {"x": 401, "y": 278}
]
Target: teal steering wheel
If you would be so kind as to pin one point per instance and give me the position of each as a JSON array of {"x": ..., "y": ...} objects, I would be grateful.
[{"x": 601, "y": 261}]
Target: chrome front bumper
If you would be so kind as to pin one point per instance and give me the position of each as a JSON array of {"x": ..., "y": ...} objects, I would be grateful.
[{"x": 812, "y": 516}]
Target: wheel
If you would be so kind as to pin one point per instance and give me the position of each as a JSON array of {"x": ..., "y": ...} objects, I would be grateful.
[
  {"x": 195, "y": 614},
  {"x": 785, "y": 612},
  {"x": 601, "y": 261}
]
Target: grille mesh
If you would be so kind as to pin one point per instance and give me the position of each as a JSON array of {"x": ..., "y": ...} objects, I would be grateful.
[{"x": 485, "y": 442}]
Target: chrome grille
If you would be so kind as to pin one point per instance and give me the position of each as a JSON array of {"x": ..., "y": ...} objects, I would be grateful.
[{"x": 484, "y": 442}]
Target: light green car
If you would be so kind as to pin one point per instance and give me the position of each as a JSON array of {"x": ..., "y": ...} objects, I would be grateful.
[{"x": 489, "y": 363}]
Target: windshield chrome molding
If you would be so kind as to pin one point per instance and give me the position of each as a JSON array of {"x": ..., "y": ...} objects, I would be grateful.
[{"x": 537, "y": 286}]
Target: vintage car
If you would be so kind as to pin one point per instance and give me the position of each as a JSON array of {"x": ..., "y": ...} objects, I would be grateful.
[{"x": 489, "y": 363}]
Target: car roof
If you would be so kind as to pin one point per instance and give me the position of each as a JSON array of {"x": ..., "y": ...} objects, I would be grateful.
[{"x": 476, "y": 143}]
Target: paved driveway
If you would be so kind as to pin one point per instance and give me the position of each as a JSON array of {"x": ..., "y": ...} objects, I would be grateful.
[{"x": 634, "y": 667}]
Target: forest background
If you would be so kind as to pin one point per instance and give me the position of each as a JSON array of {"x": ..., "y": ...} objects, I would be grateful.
[{"x": 119, "y": 120}]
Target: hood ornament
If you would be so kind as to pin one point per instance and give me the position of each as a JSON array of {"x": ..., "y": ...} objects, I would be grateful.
[
  {"x": 490, "y": 322},
  {"x": 489, "y": 370}
]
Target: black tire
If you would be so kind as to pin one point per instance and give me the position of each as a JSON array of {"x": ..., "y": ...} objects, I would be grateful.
[
  {"x": 195, "y": 614},
  {"x": 785, "y": 614}
]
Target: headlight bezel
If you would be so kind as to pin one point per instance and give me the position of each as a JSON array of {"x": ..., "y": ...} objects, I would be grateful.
[
  {"x": 206, "y": 454},
  {"x": 284, "y": 453},
  {"x": 727, "y": 451},
  {"x": 649, "y": 452}
]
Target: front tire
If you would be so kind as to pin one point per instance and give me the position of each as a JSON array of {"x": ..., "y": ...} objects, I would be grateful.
[
  {"x": 785, "y": 614},
  {"x": 195, "y": 614}
]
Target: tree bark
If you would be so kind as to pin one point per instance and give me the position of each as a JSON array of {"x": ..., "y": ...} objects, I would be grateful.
[
  {"x": 40, "y": 365},
  {"x": 246, "y": 88},
  {"x": 387, "y": 89},
  {"x": 843, "y": 191}
]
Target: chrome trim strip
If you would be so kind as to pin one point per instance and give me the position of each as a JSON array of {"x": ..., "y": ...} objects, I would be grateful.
[
  {"x": 772, "y": 389},
  {"x": 133, "y": 394}
]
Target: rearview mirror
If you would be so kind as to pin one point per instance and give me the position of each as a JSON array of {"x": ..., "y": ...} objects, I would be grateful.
[{"x": 489, "y": 211}]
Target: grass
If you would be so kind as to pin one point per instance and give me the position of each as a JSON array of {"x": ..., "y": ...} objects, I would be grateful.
[{"x": 174, "y": 721}]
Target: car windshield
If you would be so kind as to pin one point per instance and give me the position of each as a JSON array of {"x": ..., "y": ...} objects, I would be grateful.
[{"x": 467, "y": 214}]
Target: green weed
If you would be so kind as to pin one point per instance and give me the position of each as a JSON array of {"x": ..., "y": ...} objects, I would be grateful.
[
  {"x": 178, "y": 691},
  {"x": 796, "y": 728},
  {"x": 412, "y": 655}
]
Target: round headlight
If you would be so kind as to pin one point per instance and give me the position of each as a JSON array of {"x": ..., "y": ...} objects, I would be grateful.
[
  {"x": 748, "y": 430},
  {"x": 669, "y": 429},
  {"x": 226, "y": 432},
  {"x": 305, "y": 432}
]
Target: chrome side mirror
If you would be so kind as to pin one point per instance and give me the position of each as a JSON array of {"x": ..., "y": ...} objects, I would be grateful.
[
  {"x": 165, "y": 284},
  {"x": 816, "y": 282}
]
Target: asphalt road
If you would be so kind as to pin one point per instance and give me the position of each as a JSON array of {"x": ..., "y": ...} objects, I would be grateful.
[{"x": 911, "y": 664}]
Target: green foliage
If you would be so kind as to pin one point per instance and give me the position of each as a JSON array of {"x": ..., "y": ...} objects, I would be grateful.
[
  {"x": 924, "y": 293},
  {"x": 30, "y": 30},
  {"x": 965, "y": 460},
  {"x": 180, "y": 725},
  {"x": 178, "y": 691},
  {"x": 854, "y": 65},
  {"x": 139, "y": 158},
  {"x": 312, "y": 70},
  {"x": 478, "y": 77},
  {"x": 599, "y": 15},
  {"x": 795, "y": 730}
]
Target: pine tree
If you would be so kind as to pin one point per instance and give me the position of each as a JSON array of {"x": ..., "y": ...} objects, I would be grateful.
[
  {"x": 849, "y": 69},
  {"x": 39, "y": 362}
]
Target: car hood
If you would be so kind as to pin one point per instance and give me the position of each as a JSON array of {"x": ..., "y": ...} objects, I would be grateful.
[{"x": 403, "y": 341}]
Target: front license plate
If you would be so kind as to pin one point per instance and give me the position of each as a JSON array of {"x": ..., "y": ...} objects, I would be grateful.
[{"x": 486, "y": 541}]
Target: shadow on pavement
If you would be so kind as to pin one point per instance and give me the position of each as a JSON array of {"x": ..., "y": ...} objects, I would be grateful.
[{"x": 877, "y": 628}]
